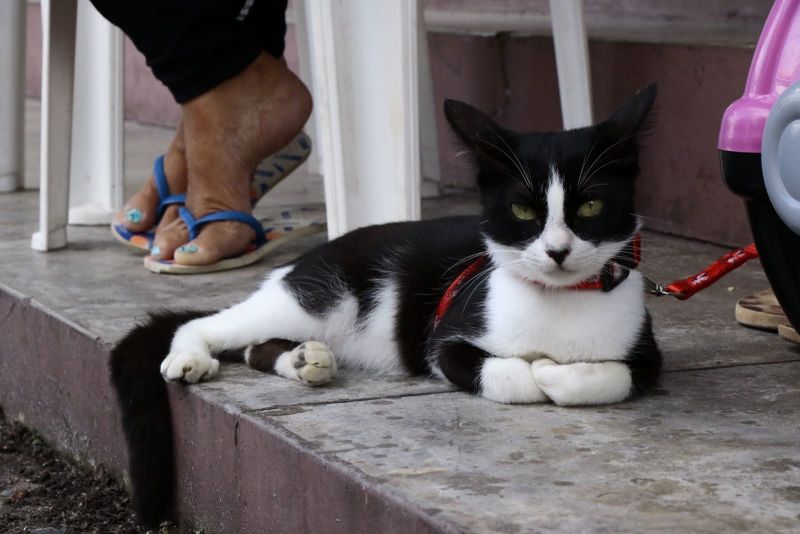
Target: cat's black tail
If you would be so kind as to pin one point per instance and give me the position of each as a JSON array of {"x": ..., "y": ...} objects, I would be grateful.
[{"x": 142, "y": 397}]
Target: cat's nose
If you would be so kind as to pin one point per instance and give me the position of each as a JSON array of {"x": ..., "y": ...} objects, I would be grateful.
[{"x": 558, "y": 255}]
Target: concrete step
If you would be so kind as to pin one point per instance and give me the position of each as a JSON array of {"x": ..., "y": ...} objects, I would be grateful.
[{"x": 714, "y": 449}]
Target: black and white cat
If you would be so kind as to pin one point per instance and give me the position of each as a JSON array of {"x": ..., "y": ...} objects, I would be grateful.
[{"x": 518, "y": 326}]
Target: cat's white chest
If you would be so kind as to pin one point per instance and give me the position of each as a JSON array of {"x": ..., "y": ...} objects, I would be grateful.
[{"x": 565, "y": 325}]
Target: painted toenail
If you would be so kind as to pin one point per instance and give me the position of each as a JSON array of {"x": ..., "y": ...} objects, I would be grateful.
[
  {"x": 155, "y": 251},
  {"x": 133, "y": 215},
  {"x": 190, "y": 249}
]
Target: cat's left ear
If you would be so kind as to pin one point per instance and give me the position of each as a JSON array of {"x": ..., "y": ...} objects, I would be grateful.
[
  {"x": 631, "y": 119},
  {"x": 488, "y": 142}
]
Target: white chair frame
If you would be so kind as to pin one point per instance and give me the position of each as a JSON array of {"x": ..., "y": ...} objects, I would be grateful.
[{"x": 367, "y": 102}]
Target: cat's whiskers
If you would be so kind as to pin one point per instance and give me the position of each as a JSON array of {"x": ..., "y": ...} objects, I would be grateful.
[
  {"x": 528, "y": 182},
  {"x": 525, "y": 175},
  {"x": 585, "y": 159},
  {"x": 465, "y": 260},
  {"x": 650, "y": 218},
  {"x": 649, "y": 244},
  {"x": 489, "y": 270},
  {"x": 590, "y": 172},
  {"x": 609, "y": 147},
  {"x": 513, "y": 160},
  {"x": 476, "y": 282},
  {"x": 603, "y": 166},
  {"x": 643, "y": 265},
  {"x": 586, "y": 190}
]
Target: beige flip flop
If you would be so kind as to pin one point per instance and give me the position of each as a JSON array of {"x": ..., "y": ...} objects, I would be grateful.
[
  {"x": 761, "y": 310},
  {"x": 789, "y": 333}
]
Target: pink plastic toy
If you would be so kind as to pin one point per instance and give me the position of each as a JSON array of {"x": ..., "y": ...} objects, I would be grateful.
[
  {"x": 759, "y": 143},
  {"x": 775, "y": 66}
]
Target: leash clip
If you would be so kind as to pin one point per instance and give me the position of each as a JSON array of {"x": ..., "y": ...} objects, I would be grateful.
[{"x": 656, "y": 289}]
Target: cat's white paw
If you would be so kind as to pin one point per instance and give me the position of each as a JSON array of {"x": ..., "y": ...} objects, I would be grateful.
[
  {"x": 581, "y": 384},
  {"x": 555, "y": 383},
  {"x": 541, "y": 362},
  {"x": 509, "y": 380},
  {"x": 311, "y": 362},
  {"x": 190, "y": 366}
]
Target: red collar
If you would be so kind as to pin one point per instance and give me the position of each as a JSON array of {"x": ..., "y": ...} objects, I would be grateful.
[{"x": 619, "y": 268}]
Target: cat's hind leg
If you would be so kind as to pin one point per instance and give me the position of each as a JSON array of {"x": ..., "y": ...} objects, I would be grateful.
[{"x": 311, "y": 363}]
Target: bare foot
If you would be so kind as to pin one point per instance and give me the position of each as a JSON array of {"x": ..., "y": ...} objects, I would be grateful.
[
  {"x": 228, "y": 131},
  {"x": 140, "y": 211}
]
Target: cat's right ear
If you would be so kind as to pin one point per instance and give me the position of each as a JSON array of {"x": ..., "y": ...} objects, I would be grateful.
[{"x": 485, "y": 139}]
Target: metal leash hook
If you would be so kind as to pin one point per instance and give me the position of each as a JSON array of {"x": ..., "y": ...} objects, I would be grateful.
[
  {"x": 685, "y": 288},
  {"x": 656, "y": 289}
]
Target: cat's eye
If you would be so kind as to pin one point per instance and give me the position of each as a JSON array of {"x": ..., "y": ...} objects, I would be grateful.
[
  {"x": 523, "y": 212},
  {"x": 591, "y": 208}
]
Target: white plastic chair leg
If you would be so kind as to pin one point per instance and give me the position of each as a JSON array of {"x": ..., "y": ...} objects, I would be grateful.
[
  {"x": 572, "y": 62},
  {"x": 428, "y": 107},
  {"x": 12, "y": 94},
  {"x": 96, "y": 170},
  {"x": 364, "y": 65},
  {"x": 58, "y": 70},
  {"x": 300, "y": 19}
]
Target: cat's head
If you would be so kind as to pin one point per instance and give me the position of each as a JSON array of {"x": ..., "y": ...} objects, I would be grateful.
[{"x": 557, "y": 206}]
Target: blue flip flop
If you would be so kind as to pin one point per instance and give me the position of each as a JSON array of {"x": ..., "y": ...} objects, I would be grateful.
[
  {"x": 144, "y": 240},
  {"x": 266, "y": 239},
  {"x": 270, "y": 172}
]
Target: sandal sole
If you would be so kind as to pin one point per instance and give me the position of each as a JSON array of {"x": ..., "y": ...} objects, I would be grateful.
[
  {"x": 170, "y": 267},
  {"x": 788, "y": 333}
]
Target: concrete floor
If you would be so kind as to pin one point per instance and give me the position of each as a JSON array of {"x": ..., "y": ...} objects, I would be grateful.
[{"x": 716, "y": 448}]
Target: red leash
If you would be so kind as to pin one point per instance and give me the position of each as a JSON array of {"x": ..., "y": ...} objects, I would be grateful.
[{"x": 686, "y": 287}]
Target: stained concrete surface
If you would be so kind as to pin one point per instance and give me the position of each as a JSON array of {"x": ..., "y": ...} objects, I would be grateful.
[
  {"x": 717, "y": 448},
  {"x": 711, "y": 451}
]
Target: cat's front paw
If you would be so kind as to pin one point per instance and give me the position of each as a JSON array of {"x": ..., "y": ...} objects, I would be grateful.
[
  {"x": 582, "y": 384},
  {"x": 190, "y": 366},
  {"x": 311, "y": 362},
  {"x": 541, "y": 362},
  {"x": 509, "y": 380},
  {"x": 555, "y": 383}
]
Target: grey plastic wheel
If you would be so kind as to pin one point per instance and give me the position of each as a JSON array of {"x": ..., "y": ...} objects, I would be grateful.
[{"x": 780, "y": 157}]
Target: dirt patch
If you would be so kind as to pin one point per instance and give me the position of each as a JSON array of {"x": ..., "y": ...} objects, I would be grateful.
[{"x": 43, "y": 490}]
